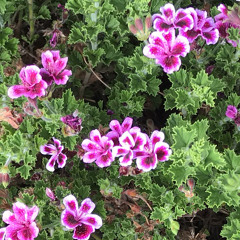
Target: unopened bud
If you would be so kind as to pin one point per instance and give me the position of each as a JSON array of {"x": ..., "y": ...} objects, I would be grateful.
[
  {"x": 148, "y": 22},
  {"x": 50, "y": 194},
  {"x": 139, "y": 24},
  {"x": 190, "y": 183},
  {"x": 4, "y": 176},
  {"x": 133, "y": 29}
]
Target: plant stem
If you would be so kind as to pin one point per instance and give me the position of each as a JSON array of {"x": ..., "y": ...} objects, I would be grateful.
[{"x": 31, "y": 20}]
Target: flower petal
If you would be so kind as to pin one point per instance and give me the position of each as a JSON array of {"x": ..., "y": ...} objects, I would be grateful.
[
  {"x": 20, "y": 211},
  {"x": 180, "y": 47},
  {"x": 60, "y": 64},
  {"x": 90, "y": 146},
  {"x": 183, "y": 20},
  {"x": 9, "y": 217},
  {"x": 160, "y": 25},
  {"x": 46, "y": 76},
  {"x": 119, "y": 151},
  {"x": 83, "y": 232},
  {"x": 71, "y": 203},
  {"x": 126, "y": 140},
  {"x": 32, "y": 213},
  {"x": 115, "y": 126},
  {"x": 170, "y": 64},
  {"x": 146, "y": 163},
  {"x": 126, "y": 160},
  {"x": 157, "y": 136},
  {"x": 211, "y": 37},
  {"x": 16, "y": 91},
  {"x": 2, "y": 233},
  {"x": 51, "y": 163},
  {"x": 47, "y": 61},
  {"x": 168, "y": 12},
  {"x": 32, "y": 75},
  {"x": 126, "y": 124},
  {"x": 153, "y": 51},
  {"x": 61, "y": 160},
  {"x": 48, "y": 149},
  {"x": 68, "y": 220},
  {"x": 90, "y": 157},
  {"x": 87, "y": 206},
  {"x": 28, "y": 233},
  {"x": 12, "y": 230},
  {"x": 93, "y": 220},
  {"x": 62, "y": 77},
  {"x": 105, "y": 160},
  {"x": 162, "y": 151}
]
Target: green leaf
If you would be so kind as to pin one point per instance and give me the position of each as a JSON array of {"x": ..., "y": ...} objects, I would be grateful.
[
  {"x": 3, "y": 4},
  {"x": 183, "y": 137},
  {"x": 214, "y": 158},
  {"x": 232, "y": 160},
  {"x": 44, "y": 13},
  {"x": 137, "y": 83},
  {"x": 180, "y": 173},
  {"x": 70, "y": 103}
]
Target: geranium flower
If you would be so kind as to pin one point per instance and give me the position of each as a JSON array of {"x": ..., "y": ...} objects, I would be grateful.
[
  {"x": 118, "y": 129},
  {"x": 73, "y": 123},
  {"x": 32, "y": 84},
  {"x": 80, "y": 218},
  {"x": 167, "y": 49},
  {"x": 130, "y": 141},
  {"x": 231, "y": 112},
  {"x": 203, "y": 26},
  {"x": 98, "y": 149},
  {"x": 154, "y": 150},
  {"x": 2, "y": 233},
  {"x": 54, "y": 68},
  {"x": 56, "y": 152},
  {"x": 169, "y": 19},
  {"x": 224, "y": 21},
  {"x": 22, "y": 225}
]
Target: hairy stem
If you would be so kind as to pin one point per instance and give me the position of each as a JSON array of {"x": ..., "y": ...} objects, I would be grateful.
[{"x": 31, "y": 20}]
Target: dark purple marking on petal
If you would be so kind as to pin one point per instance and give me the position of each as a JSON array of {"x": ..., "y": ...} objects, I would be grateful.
[{"x": 83, "y": 232}]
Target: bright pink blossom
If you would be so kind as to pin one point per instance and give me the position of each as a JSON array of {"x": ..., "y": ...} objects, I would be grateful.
[
  {"x": 54, "y": 68},
  {"x": 169, "y": 19},
  {"x": 80, "y": 218},
  {"x": 203, "y": 26},
  {"x": 130, "y": 141},
  {"x": 167, "y": 49},
  {"x": 231, "y": 112},
  {"x": 154, "y": 150},
  {"x": 118, "y": 129},
  {"x": 22, "y": 225},
  {"x": 32, "y": 84},
  {"x": 98, "y": 148},
  {"x": 2, "y": 233},
  {"x": 57, "y": 156}
]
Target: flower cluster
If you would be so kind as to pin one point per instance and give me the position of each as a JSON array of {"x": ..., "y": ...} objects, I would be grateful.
[
  {"x": 80, "y": 218},
  {"x": 55, "y": 150},
  {"x": 233, "y": 114},
  {"x": 127, "y": 143},
  {"x": 22, "y": 225},
  {"x": 165, "y": 47},
  {"x": 35, "y": 81}
]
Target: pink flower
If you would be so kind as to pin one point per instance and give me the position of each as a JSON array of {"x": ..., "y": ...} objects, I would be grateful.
[
  {"x": 224, "y": 21},
  {"x": 231, "y": 112},
  {"x": 73, "y": 121},
  {"x": 167, "y": 49},
  {"x": 118, "y": 129},
  {"x": 203, "y": 26},
  {"x": 169, "y": 19},
  {"x": 32, "y": 84},
  {"x": 56, "y": 152},
  {"x": 2, "y": 233},
  {"x": 54, "y": 68},
  {"x": 80, "y": 218},
  {"x": 154, "y": 150},
  {"x": 130, "y": 141},
  {"x": 22, "y": 225},
  {"x": 98, "y": 149},
  {"x": 50, "y": 194}
]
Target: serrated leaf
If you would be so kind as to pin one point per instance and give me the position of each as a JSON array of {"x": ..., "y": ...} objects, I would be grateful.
[
  {"x": 214, "y": 158},
  {"x": 183, "y": 137},
  {"x": 232, "y": 160},
  {"x": 70, "y": 103},
  {"x": 44, "y": 13},
  {"x": 137, "y": 83},
  {"x": 180, "y": 173}
]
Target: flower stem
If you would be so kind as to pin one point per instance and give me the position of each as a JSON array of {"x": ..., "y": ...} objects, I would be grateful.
[{"x": 31, "y": 20}]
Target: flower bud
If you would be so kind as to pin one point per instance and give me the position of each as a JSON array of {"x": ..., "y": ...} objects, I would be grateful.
[
  {"x": 50, "y": 194},
  {"x": 148, "y": 22},
  {"x": 139, "y": 24},
  {"x": 190, "y": 183},
  {"x": 4, "y": 176},
  {"x": 133, "y": 29}
]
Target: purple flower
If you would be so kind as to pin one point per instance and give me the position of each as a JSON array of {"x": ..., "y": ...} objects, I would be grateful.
[
  {"x": 154, "y": 150},
  {"x": 80, "y": 218},
  {"x": 130, "y": 141},
  {"x": 73, "y": 121},
  {"x": 118, "y": 129},
  {"x": 54, "y": 39},
  {"x": 32, "y": 84},
  {"x": 54, "y": 68},
  {"x": 98, "y": 149},
  {"x": 56, "y": 152},
  {"x": 203, "y": 26},
  {"x": 167, "y": 49},
  {"x": 231, "y": 112},
  {"x": 169, "y": 19},
  {"x": 22, "y": 225}
]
